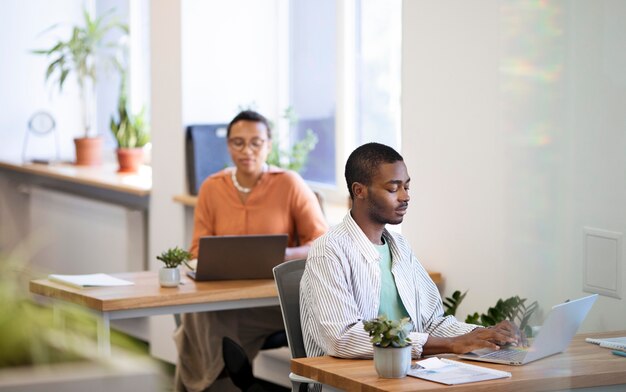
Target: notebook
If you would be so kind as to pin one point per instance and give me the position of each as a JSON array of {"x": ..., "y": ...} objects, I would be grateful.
[
  {"x": 615, "y": 343},
  {"x": 553, "y": 337},
  {"x": 239, "y": 257}
]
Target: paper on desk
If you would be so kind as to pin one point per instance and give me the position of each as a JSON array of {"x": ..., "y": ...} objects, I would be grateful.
[
  {"x": 432, "y": 363},
  {"x": 449, "y": 372},
  {"x": 90, "y": 280}
]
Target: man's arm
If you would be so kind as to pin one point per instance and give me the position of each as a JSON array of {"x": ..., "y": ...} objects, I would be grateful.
[{"x": 335, "y": 323}]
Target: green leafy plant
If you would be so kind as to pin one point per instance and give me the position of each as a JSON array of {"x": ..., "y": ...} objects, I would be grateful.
[
  {"x": 295, "y": 158},
  {"x": 130, "y": 131},
  {"x": 513, "y": 309},
  {"x": 385, "y": 333},
  {"x": 452, "y": 303},
  {"x": 174, "y": 257},
  {"x": 30, "y": 335},
  {"x": 85, "y": 51}
]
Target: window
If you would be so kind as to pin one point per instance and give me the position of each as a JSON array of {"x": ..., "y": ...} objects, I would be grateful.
[
  {"x": 378, "y": 48},
  {"x": 313, "y": 82},
  {"x": 351, "y": 99}
]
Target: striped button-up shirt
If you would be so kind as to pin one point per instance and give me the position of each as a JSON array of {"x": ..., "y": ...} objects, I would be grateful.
[{"x": 340, "y": 288}]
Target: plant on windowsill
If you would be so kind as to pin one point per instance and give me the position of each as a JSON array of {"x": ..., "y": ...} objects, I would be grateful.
[
  {"x": 169, "y": 276},
  {"x": 296, "y": 157},
  {"x": 392, "y": 346},
  {"x": 87, "y": 50},
  {"x": 130, "y": 131}
]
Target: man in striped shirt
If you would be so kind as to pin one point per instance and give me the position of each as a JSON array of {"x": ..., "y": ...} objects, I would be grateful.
[{"x": 358, "y": 270}]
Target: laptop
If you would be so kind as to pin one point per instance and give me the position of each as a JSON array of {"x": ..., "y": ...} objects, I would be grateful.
[
  {"x": 239, "y": 257},
  {"x": 553, "y": 337}
]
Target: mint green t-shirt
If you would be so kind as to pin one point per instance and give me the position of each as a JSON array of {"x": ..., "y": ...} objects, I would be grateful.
[{"x": 390, "y": 303}]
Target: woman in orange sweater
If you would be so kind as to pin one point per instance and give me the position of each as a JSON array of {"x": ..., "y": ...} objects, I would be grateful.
[{"x": 251, "y": 198}]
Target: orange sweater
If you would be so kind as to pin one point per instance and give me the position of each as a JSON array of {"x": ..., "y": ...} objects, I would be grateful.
[{"x": 281, "y": 202}]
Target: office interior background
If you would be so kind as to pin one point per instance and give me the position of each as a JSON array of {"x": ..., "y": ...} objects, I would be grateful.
[{"x": 509, "y": 114}]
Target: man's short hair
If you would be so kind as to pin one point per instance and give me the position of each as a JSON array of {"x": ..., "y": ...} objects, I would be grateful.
[
  {"x": 363, "y": 163},
  {"x": 250, "y": 115}
]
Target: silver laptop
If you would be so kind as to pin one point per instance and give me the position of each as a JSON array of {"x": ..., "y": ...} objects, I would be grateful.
[
  {"x": 553, "y": 337},
  {"x": 239, "y": 257}
]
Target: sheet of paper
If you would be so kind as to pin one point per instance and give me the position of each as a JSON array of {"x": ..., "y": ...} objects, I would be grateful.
[
  {"x": 449, "y": 372},
  {"x": 432, "y": 363},
  {"x": 90, "y": 280}
]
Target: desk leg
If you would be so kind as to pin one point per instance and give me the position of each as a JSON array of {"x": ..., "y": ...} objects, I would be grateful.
[{"x": 104, "y": 335}]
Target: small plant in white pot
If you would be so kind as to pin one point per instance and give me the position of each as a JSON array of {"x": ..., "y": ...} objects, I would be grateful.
[
  {"x": 392, "y": 346},
  {"x": 169, "y": 276}
]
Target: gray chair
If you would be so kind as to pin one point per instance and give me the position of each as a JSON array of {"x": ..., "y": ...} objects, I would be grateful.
[{"x": 287, "y": 276}]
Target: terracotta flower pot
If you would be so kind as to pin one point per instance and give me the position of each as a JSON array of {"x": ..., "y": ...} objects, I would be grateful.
[
  {"x": 129, "y": 159},
  {"x": 88, "y": 151}
]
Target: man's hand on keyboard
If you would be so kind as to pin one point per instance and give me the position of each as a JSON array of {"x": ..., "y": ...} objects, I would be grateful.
[
  {"x": 492, "y": 338},
  {"x": 503, "y": 333}
]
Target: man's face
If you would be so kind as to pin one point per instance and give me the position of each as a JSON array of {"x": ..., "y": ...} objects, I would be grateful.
[{"x": 388, "y": 194}]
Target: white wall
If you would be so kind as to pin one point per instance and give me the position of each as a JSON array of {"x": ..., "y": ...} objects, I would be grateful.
[{"x": 513, "y": 133}]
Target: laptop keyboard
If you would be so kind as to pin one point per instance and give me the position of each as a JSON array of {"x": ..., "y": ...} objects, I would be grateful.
[{"x": 509, "y": 354}]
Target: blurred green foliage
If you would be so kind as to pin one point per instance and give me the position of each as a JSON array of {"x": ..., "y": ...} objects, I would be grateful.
[{"x": 31, "y": 333}]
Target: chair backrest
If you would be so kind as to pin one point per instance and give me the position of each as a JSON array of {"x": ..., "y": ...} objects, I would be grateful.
[
  {"x": 206, "y": 153},
  {"x": 287, "y": 276}
]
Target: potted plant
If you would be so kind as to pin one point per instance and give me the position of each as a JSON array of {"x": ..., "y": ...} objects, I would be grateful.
[
  {"x": 82, "y": 54},
  {"x": 169, "y": 276},
  {"x": 130, "y": 132},
  {"x": 392, "y": 348}
]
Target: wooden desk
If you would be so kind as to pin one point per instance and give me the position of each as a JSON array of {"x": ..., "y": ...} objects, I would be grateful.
[
  {"x": 147, "y": 298},
  {"x": 583, "y": 365}
]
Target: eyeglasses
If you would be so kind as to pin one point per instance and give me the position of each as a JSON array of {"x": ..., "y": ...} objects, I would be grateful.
[{"x": 239, "y": 144}]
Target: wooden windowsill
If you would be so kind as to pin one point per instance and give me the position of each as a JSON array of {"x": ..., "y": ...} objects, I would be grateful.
[{"x": 104, "y": 176}]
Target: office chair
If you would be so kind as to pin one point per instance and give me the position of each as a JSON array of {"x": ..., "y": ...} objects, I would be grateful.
[{"x": 287, "y": 276}]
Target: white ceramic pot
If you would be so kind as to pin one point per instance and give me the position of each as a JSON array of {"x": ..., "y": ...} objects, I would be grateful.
[
  {"x": 392, "y": 362},
  {"x": 169, "y": 277}
]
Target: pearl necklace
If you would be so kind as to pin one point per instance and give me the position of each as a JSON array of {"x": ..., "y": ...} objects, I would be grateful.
[{"x": 233, "y": 176}]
